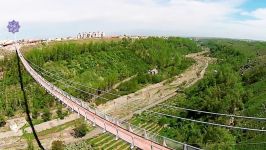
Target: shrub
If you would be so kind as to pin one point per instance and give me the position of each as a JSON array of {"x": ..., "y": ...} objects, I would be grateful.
[
  {"x": 10, "y": 112},
  {"x": 129, "y": 86},
  {"x": 156, "y": 79},
  {"x": 35, "y": 114},
  {"x": 2, "y": 121},
  {"x": 60, "y": 113},
  {"x": 46, "y": 116},
  {"x": 58, "y": 145},
  {"x": 80, "y": 130}
]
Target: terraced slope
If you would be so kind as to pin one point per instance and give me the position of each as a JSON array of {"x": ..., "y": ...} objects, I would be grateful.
[{"x": 106, "y": 141}]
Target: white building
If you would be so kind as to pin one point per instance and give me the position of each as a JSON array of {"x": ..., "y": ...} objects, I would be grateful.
[
  {"x": 85, "y": 35},
  {"x": 153, "y": 71}
]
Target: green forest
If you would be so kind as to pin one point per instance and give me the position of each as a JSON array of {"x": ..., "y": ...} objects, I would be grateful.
[
  {"x": 97, "y": 64},
  {"x": 235, "y": 84}
]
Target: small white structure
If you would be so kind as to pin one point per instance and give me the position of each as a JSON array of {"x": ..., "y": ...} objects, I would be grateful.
[
  {"x": 85, "y": 35},
  {"x": 102, "y": 34},
  {"x": 153, "y": 71},
  {"x": 79, "y": 36},
  {"x": 89, "y": 35},
  {"x": 98, "y": 34},
  {"x": 94, "y": 35}
]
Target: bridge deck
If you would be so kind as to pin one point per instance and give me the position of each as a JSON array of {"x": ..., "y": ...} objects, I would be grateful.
[{"x": 97, "y": 118}]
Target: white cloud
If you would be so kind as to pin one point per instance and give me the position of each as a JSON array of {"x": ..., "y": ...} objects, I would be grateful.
[
  {"x": 178, "y": 17},
  {"x": 259, "y": 13},
  {"x": 122, "y": 10}
]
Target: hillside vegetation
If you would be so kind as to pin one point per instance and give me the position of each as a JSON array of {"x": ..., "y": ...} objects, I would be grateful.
[
  {"x": 235, "y": 84},
  {"x": 94, "y": 64}
]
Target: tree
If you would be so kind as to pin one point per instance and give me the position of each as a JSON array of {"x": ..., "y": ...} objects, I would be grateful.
[
  {"x": 46, "y": 116},
  {"x": 9, "y": 112},
  {"x": 80, "y": 130},
  {"x": 59, "y": 112},
  {"x": 58, "y": 145},
  {"x": 129, "y": 86}
]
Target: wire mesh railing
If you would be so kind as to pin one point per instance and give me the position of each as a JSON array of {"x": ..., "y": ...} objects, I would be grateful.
[
  {"x": 172, "y": 144},
  {"x": 133, "y": 128}
]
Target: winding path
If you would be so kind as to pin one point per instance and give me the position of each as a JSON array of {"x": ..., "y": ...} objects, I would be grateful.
[{"x": 125, "y": 106}]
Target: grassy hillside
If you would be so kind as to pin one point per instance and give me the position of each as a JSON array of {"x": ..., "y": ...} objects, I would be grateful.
[
  {"x": 236, "y": 84},
  {"x": 95, "y": 64}
]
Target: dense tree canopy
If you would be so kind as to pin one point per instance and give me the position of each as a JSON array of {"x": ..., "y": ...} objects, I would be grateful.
[
  {"x": 235, "y": 84},
  {"x": 95, "y": 64}
]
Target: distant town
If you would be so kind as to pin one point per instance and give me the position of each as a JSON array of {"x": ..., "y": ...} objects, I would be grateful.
[{"x": 7, "y": 44}]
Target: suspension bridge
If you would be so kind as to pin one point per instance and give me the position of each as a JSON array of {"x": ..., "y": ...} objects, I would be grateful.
[{"x": 136, "y": 137}]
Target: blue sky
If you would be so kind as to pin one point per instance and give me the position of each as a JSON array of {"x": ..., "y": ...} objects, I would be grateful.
[
  {"x": 251, "y": 5},
  {"x": 244, "y": 19}
]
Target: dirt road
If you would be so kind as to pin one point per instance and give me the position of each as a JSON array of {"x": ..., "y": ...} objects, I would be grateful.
[
  {"x": 9, "y": 136},
  {"x": 124, "y": 107}
]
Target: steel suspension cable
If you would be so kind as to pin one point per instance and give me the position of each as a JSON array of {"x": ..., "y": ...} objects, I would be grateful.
[
  {"x": 208, "y": 123},
  {"x": 237, "y": 144},
  {"x": 69, "y": 81},
  {"x": 227, "y": 126},
  {"x": 181, "y": 108},
  {"x": 155, "y": 134},
  {"x": 73, "y": 87},
  {"x": 213, "y": 113},
  {"x": 61, "y": 80}
]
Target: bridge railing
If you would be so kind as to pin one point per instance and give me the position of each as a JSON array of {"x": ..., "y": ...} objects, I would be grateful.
[
  {"x": 157, "y": 138},
  {"x": 132, "y": 128},
  {"x": 172, "y": 144}
]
